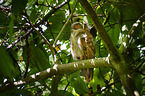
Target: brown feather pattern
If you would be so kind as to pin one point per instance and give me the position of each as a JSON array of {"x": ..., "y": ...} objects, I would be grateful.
[{"x": 82, "y": 46}]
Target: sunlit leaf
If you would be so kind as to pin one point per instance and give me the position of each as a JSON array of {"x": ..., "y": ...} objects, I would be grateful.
[
  {"x": 97, "y": 79},
  {"x": 114, "y": 33}
]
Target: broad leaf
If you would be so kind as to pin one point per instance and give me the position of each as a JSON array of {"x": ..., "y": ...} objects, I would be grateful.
[
  {"x": 78, "y": 83},
  {"x": 7, "y": 67}
]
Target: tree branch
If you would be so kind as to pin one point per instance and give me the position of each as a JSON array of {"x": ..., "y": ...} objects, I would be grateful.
[
  {"x": 59, "y": 70},
  {"x": 117, "y": 60},
  {"x": 51, "y": 12}
]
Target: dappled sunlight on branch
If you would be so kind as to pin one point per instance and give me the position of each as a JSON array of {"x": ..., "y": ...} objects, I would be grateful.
[{"x": 64, "y": 68}]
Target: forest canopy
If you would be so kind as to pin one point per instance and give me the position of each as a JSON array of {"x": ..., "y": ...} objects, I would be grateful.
[{"x": 35, "y": 50}]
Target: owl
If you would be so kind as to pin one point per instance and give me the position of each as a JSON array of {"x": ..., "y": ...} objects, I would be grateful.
[{"x": 82, "y": 46}]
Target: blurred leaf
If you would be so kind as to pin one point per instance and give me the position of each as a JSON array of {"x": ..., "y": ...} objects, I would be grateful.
[
  {"x": 57, "y": 22},
  {"x": 114, "y": 15},
  {"x": 77, "y": 82},
  {"x": 39, "y": 56},
  {"x": 116, "y": 93},
  {"x": 66, "y": 93},
  {"x": 7, "y": 67},
  {"x": 40, "y": 1},
  {"x": 101, "y": 50},
  {"x": 4, "y": 20},
  {"x": 138, "y": 82},
  {"x": 66, "y": 33},
  {"x": 11, "y": 25},
  {"x": 17, "y": 92},
  {"x": 129, "y": 13},
  {"x": 118, "y": 86},
  {"x": 38, "y": 60},
  {"x": 97, "y": 79},
  {"x": 33, "y": 16},
  {"x": 18, "y": 6}
]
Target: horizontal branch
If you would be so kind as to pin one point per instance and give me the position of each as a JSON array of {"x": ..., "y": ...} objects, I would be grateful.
[
  {"x": 59, "y": 70},
  {"x": 89, "y": 63},
  {"x": 67, "y": 68}
]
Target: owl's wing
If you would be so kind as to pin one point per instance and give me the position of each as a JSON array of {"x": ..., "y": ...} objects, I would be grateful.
[{"x": 88, "y": 46}]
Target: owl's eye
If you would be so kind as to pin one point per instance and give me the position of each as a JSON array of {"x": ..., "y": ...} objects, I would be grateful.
[{"x": 77, "y": 26}]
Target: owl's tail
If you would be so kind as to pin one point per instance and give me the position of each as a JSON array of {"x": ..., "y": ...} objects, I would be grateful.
[{"x": 88, "y": 74}]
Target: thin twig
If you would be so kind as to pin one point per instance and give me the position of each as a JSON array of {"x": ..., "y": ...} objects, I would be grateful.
[
  {"x": 66, "y": 86},
  {"x": 130, "y": 32},
  {"x": 50, "y": 13},
  {"x": 15, "y": 27},
  {"x": 28, "y": 57},
  {"x": 46, "y": 41},
  {"x": 43, "y": 37},
  {"x": 65, "y": 24}
]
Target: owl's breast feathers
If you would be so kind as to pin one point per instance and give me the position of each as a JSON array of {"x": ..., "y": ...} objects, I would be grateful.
[{"x": 82, "y": 44}]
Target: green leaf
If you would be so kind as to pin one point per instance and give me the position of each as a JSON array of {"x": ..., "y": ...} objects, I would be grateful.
[
  {"x": 66, "y": 33},
  {"x": 40, "y": 1},
  {"x": 39, "y": 57},
  {"x": 56, "y": 22},
  {"x": 98, "y": 79},
  {"x": 116, "y": 93},
  {"x": 114, "y": 33},
  {"x": 114, "y": 15},
  {"x": 129, "y": 13},
  {"x": 78, "y": 83},
  {"x": 4, "y": 20},
  {"x": 138, "y": 82},
  {"x": 18, "y": 6},
  {"x": 67, "y": 93},
  {"x": 11, "y": 25},
  {"x": 33, "y": 16},
  {"x": 101, "y": 50},
  {"x": 7, "y": 67}
]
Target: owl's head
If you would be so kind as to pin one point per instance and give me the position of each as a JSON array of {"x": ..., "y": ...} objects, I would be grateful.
[{"x": 76, "y": 25}]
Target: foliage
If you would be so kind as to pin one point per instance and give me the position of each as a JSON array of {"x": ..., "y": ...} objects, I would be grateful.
[{"x": 28, "y": 29}]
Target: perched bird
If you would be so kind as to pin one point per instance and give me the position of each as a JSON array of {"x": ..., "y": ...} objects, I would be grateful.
[{"x": 82, "y": 46}]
